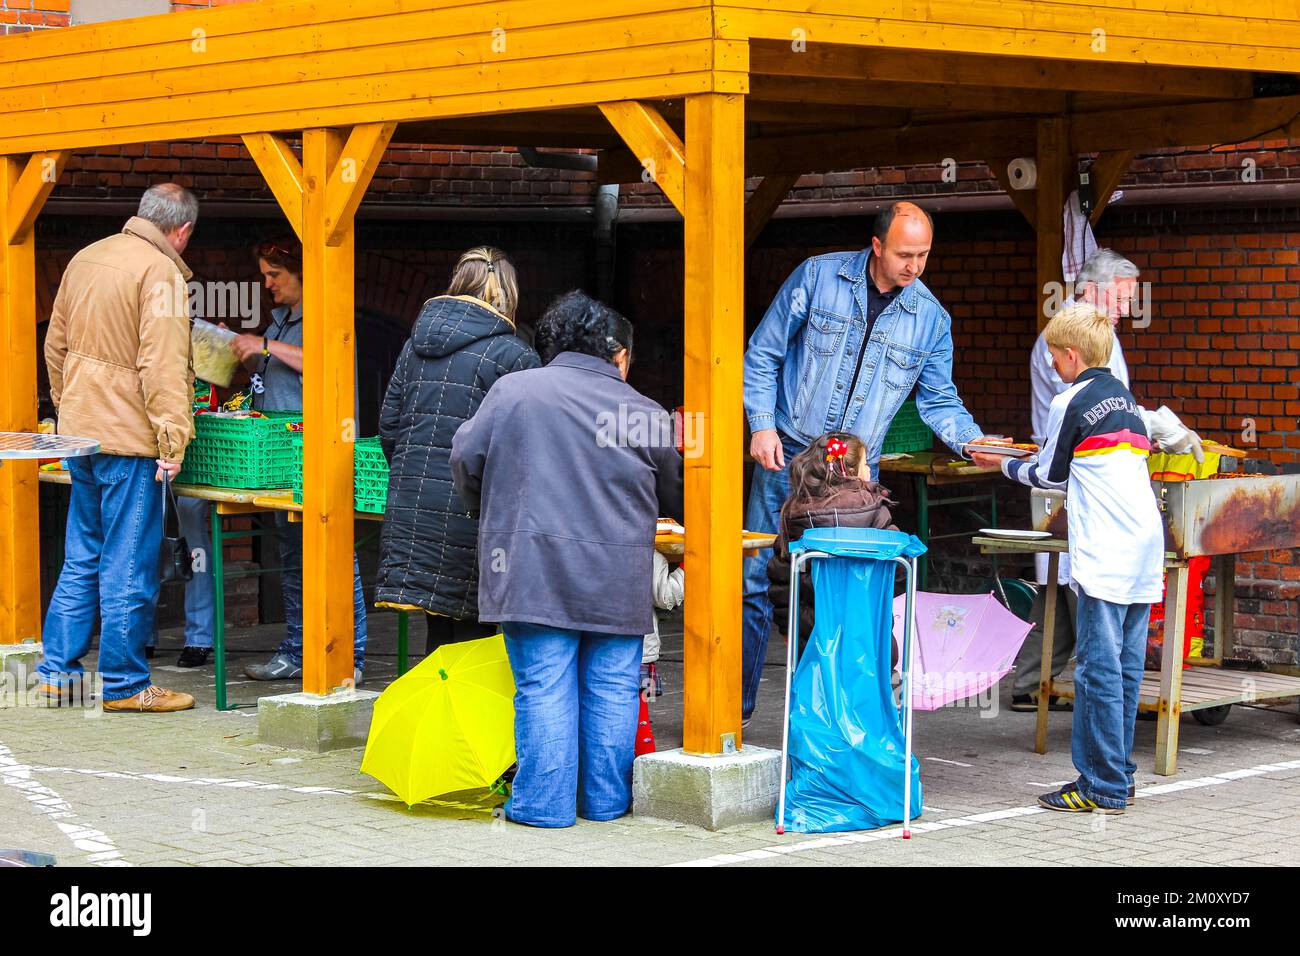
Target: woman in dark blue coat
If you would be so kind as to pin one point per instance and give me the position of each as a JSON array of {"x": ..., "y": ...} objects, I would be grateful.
[
  {"x": 568, "y": 467},
  {"x": 461, "y": 344}
]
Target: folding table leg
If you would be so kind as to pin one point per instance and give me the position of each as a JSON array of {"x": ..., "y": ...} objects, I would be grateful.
[
  {"x": 1171, "y": 670},
  {"x": 791, "y": 651},
  {"x": 1045, "y": 665},
  {"x": 217, "y": 563}
]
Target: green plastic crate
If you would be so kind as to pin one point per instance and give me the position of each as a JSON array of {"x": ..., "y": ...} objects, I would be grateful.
[
  {"x": 231, "y": 452},
  {"x": 369, "y": 469},
  {"x": 907, "y": 433}
]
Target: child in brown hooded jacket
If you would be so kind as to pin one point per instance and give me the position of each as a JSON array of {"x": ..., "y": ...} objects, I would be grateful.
[{"x": 830, "y": 487}]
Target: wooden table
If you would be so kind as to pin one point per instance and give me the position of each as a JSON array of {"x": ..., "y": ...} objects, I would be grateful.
[
  {"x": 225, "y": 501},
  {"x": 239, "y": 501},
  {"x": 929, "y": 470},
  {"x": 1172, "y": 690}
]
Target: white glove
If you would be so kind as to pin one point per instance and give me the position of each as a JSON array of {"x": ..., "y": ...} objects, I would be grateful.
[{"x": 1171, "y": 435}]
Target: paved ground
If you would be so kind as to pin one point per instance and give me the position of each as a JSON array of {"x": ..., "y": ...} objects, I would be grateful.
[{"x": 197, "y": 788}]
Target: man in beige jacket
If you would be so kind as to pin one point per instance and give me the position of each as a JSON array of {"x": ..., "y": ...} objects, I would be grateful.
[{"x": 118, "y": 353}]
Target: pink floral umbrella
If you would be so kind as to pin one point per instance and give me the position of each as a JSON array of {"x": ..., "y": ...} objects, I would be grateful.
[{"x": 965, "y": 644}]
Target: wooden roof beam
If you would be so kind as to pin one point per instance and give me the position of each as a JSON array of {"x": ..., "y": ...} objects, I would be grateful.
[
  {"x": 854, "y": 149},
  {"x": 1192, "y": 124},
  {"x": 764, "y": 201},
  {"x": 1023, "y": 199},
  {"x": 351, "y": 177},
  {"x": 832, "y": 61},
  {"x": 1106, "y": 172},
  {"x": 985, "y": 99},
  {"x": 30, "y": 189},
  {"x": 657, "y": 148},
  {"x": 282, "y": 170}
]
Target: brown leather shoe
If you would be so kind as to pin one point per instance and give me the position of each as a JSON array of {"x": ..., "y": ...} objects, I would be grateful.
[
  {"x": 151, "y": 700},
  {"x": 51, "y": 695}
]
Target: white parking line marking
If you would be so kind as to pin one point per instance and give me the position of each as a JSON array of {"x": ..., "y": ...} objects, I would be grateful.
[
  {"x": 979, "y": 819},
  {"x": 99, "y": 847}
]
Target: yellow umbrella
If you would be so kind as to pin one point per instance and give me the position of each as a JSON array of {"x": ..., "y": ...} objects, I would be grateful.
[{"x": 447, "y": 724}]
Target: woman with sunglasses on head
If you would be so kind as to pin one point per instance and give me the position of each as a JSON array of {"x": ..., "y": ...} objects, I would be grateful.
[
  {"x": 275, "y": 359},
  {"x": 463, "y": 342},
  {"x": 568, "y": 467}
]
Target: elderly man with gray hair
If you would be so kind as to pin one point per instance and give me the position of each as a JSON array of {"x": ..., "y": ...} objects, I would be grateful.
[
  {"x": 118, "y": 353},
  {"x": 1109, "y": 282}
]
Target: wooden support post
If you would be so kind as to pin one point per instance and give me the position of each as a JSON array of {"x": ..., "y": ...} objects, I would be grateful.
[
  {"x": 764, "y": 202},
  {"x": 655, "y": 144},
  {"x": 329, "y": 427},
  {"x": 320, "y": 197},
  {"x": 24, "y": 187},
  {"x": 1171, "y": 670},
  {"x": 1106, "y": 171},
  {"x": 714, "y": 309},
  {"x": 1053, "y": 167}
]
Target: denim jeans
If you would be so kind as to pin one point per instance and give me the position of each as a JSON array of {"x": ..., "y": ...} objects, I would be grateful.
[
  {"x": 1111, "y": 646},
  {"x": 200, "y": 591},
  {"x": 290, "y": 535},
  {"x": 767, "y": 493},
  {"x": 110, "y": 565},
  {"x": 576, "y": 700}
]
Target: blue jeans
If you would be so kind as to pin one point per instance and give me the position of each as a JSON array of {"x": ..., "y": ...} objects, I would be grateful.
[
  {"x": 110, "y": 566},
  {"x": 767, "y": 493},
  {"x": 576, "y": 700},
  {"x": 1111, "y": 646},
  {"x": 290, "y": 535},
  {"x": 200, "y": 591}
]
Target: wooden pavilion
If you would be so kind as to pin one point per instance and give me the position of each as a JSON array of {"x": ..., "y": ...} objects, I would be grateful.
[{"x": 694, "y": 94}]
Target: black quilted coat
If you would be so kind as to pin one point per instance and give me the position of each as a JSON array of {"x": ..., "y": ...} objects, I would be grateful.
[{"x": 428, "y": 554}]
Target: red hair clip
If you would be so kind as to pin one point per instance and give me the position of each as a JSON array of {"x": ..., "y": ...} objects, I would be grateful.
[{"x": 836, "y": 449}]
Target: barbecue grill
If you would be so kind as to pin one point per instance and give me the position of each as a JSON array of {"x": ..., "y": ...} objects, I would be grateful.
[{"x": 1219, "y": 517}]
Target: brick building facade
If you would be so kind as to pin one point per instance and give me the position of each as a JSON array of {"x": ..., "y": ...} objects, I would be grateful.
[{"x": 1215, "y": 230}]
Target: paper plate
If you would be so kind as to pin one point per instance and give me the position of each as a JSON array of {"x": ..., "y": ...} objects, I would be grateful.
[
  {"x": 1016, "y": 533},
  {"x": 1002, "y": 450}
]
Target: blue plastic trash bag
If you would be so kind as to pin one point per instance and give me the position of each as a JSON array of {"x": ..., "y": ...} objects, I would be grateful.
[{"x": 846, "y": 734}]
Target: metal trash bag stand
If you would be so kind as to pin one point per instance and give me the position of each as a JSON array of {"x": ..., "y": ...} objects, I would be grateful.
[{"x": 797, "y": 561}]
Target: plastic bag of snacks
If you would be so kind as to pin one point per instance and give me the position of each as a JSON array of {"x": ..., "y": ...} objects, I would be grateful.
[{"x": 213, "y": 353}]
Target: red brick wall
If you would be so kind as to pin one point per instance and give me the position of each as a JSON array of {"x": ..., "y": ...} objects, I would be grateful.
[
  {"x": 1222, "y": 347},
  {"x": 24, "y": 16}
]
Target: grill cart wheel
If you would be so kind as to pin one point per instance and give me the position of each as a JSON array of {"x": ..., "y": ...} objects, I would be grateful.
[{"x": 1212, "y": 716}]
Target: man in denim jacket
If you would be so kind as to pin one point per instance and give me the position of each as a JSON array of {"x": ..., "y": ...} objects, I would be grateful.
[{"x": 841, "y": 347}]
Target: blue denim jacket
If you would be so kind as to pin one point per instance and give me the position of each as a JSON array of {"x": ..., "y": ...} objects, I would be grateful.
[{"x": 800, "y": 359}]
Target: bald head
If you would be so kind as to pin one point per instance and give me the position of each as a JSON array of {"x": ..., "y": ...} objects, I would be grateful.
[
  {"x": 900, "y": 245},
  {"x": 901, "y": 214}
]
